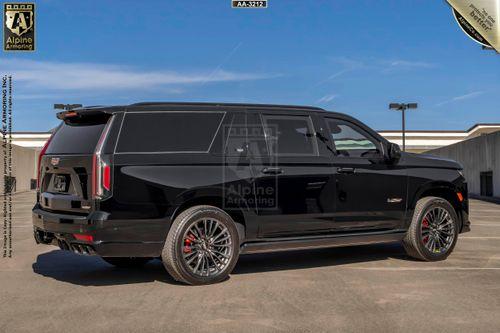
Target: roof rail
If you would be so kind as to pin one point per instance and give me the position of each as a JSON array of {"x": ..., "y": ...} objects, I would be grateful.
[{"x": 276, "y": 106}]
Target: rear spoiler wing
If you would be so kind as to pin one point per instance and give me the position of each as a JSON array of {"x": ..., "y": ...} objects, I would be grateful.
[{"x": 80, "y": 114}]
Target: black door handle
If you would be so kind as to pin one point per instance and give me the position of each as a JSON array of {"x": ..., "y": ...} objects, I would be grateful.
[
  {"x": 346, "y": 170},
  {"x": 272, "y": 171}
]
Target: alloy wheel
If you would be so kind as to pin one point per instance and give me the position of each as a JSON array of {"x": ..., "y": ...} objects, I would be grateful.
[
  {"x": 438, "y": 230},
  {"x": 207, "y": 247}
]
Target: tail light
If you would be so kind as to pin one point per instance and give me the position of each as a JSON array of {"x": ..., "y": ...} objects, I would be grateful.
[
  {"x": 39, "y": 167},
  {"x": 85, "y": 238},
  {"x": 101, "y": 168}
]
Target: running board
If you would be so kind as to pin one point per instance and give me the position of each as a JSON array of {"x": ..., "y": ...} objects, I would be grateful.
[{"x": 318, "y": 242}]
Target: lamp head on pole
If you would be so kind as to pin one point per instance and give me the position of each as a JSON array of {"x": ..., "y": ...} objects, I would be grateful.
[{"x": 402, "y": 106}]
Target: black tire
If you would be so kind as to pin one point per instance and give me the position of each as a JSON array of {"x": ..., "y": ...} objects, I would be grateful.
[
  {"x": 414, "y": 241},
  {"x": 124, "y": 262},
  {"x": 173, "y": 254}
]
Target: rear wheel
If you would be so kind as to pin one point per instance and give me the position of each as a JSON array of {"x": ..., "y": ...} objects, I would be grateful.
[
  {"x": 433, "y": 232},
  {"x": 125, "y": 262},
  {"x": 202, "y": 246}
]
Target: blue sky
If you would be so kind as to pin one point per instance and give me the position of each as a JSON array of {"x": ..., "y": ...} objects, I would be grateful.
[{"x": 348, "y": 56}]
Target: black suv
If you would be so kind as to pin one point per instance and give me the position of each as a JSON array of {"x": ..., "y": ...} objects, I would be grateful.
[{"x": 199, "y": 184}]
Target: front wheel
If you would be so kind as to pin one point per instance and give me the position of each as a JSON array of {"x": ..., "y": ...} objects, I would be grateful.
[
  {"x": 202, "y": 246},
  {"x": 433, "y": 232}
]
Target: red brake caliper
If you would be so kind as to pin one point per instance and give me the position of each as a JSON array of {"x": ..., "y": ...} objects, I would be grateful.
[
  {"x": 425, "y": 225},
  {"x": 187, "y": 243}
]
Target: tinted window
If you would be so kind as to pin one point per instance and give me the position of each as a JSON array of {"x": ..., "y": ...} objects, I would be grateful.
[
  {"x": 75, "y": 139},
  {"x": 257, "y": 145},
  {"x": 290, "y": 135},
  {"x": 236, "y": 135},
  {"x": 245, "y": 136},
  {"x": 168, "y": 131},
  {"x": 350, "y": 140}
]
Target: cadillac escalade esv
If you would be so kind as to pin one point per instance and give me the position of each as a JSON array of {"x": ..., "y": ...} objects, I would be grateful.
[{"x": 198, "y": 184}]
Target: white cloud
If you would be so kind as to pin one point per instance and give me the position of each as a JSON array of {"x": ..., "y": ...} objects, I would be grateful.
[
  {"x": 379, "y": 65},
  {"x": 91, "y": 76},
  {"x": 35, "y": 96},
  {"x": 469, "y": 95},
  {"x": 411, "y": 64},
  {"x": 327, "y": 98},
  {"x": 348, "y": 65},
  {"x": 462, "y": 97},
  {"x": 395, "y": 65}
]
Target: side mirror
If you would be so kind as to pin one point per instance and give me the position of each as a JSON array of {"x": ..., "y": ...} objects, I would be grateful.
[{"x": 393, "y": 152}]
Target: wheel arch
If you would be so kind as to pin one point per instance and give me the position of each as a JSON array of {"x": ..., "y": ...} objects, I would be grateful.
[
  {"x": 237, "y": 213},
  {"x": 445, "y": 190}
]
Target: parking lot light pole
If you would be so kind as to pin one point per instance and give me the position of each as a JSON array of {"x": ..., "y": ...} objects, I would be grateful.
[{"x": 403, "y": 107}]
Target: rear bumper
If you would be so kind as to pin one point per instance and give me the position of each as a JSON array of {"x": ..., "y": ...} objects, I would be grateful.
[{"x": 110, "y": 238}]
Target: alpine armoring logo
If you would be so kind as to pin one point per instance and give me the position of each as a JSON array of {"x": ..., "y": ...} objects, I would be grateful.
[{"x": 19, "y": 27}]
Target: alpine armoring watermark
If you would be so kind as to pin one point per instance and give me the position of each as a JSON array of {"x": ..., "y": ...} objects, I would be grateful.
[
  {"x": 245, "y": 184},
  {"x": 7, "y": 164}
]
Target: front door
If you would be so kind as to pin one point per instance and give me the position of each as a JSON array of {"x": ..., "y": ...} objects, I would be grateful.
[{"x": 370, "y": 191}]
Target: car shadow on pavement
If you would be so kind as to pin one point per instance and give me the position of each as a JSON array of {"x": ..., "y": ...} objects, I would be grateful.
[
  {"x": 93, "y": 271},
  {"x": 304, "y": 259}
]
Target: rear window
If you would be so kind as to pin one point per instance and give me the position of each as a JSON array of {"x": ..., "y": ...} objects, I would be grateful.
[
  {"x": 75, "y": 138},
  {"x": 168, "y": 132}
]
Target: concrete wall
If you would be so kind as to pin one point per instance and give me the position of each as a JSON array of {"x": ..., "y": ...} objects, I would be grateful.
[
  {"x": 476, "y": 155},
  {"x": 24, "y": 162}
]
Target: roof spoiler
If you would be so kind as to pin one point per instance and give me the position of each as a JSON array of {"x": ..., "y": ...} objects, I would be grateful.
[
  {"x": 67, "y": 114},
  {"x": 80, "y": 114}
]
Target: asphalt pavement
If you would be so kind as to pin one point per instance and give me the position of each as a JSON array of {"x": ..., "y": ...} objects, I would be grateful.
[{"x": 374, "y": 288}]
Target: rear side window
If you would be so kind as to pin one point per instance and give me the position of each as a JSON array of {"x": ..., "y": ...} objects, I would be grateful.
[
  {"x": 290, "y": 135},
  {"x": 168, "y": 132},
  {"x": 236, "y": 136},
  {"x": 75, "y": 138}
]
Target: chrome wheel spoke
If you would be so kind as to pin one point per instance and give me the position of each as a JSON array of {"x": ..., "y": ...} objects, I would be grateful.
[
  {"x": 430, "y": 244},
  {"x": 228, "y": 243},
  {"x": 221, "y": 240},
  {"x": 213, "y": 229},
  {"x": 196, "y": 233},
  {"x": 217, "y": 237},
  {"x": 195, "y": 269},
  {"x": 221, "y": 254},
  {"x": 188, "y": 261},
  {"x": 214, "y": 259}
]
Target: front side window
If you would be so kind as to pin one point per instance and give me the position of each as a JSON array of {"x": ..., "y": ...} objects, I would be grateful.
[
  {"x": 168, "y": 131},
  {"x": 290, "y": 135},
  {"x": 351, "y": 141}
]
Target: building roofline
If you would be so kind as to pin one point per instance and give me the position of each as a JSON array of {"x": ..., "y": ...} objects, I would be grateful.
[
  {"x": 469, "y": 130},
  {"x": 461, "y": 132},
  {"x": 30, "y": 132},
  {"x": 423, "y": 131},
  {"x": 483, "y": 124}
]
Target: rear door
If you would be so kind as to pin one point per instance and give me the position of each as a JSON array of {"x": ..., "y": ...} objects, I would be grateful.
[
  {"x": 370, "y": 192},
  {"x": 66, "y": 166},
  {"x": 294, "y": 184}
]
